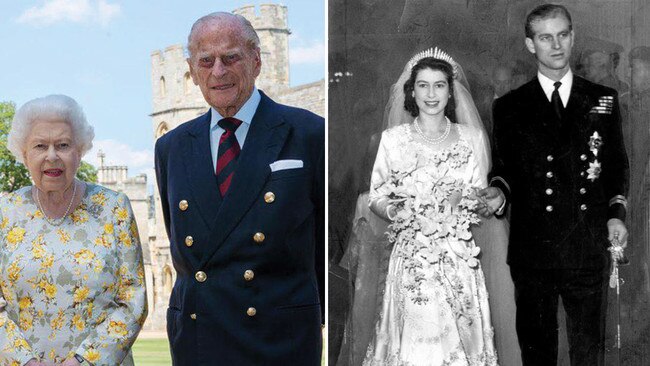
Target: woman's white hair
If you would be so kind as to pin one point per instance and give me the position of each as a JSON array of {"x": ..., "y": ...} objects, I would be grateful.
[{"x": 51, "y": 107}]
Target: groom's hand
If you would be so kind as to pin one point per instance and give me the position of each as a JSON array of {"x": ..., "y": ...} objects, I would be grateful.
[
  {"x": 616, "y": 226},
  {"x": 490, "y": 200}
]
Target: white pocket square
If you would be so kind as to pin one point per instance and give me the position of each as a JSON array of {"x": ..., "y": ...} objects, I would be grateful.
[{"x": 286, "y": 164}]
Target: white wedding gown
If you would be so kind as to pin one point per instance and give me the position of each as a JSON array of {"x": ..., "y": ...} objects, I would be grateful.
[{"x": 452, "y": 326}]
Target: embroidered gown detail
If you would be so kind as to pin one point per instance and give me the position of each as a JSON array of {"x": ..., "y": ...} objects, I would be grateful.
[{"x": 435, "y": 307}]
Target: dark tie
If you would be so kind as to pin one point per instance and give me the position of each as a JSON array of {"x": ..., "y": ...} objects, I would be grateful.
[
  {"x": 556, "y": 101},
  {"x": 227, "y": 153}
]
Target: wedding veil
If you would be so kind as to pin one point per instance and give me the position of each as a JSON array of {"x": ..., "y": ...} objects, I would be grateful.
[
  {"x": 368, "y": 251},
  {"x": 466, "y": 112}
]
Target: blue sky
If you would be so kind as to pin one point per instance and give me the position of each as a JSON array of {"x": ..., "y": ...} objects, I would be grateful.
[{"x": 98, "y": 52}]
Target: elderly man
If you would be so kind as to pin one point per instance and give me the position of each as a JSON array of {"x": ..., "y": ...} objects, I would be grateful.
[
  {"x": 560, "y": 164},
  {"x": 242, "y": 193}
]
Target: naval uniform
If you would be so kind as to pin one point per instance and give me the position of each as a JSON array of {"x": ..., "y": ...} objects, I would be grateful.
[{"x": 563, "y": 178}]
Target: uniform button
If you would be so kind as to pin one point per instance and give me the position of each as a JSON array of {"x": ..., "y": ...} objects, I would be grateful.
[
  {"x": 583, "y": 207},
  {"x": 193, "y": 316},
  {"x": 259, "y": 237},
  {"x": 583, "y": 157},
  {"x": 582, "y": 174},
  {"x": 189, "y": 241},
  {"x": 583, "y": 191},
  {"x": 549, "y": 191},
  {"x": 183, "y": 205},
  {"x": 549, "y": 208},
  {"x": 549, "y": 174},
  {"x": 269, "y": 197},
  {"x": 249, "y": 275},
  {"x": 251, "y": 311},
  {"x": 549, "y": 158},
  {"x": 201, "y": 276}
]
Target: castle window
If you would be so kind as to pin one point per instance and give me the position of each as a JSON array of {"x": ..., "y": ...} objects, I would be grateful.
[
  {"x": 163, "y": 88},
  {"x": 162, "y": 129},
  {"x": 187, "y": 85}
]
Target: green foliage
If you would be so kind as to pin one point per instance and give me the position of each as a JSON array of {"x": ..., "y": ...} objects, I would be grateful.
[
  {"x": 87, "y": 172},
  {"x": 14, "y": 175}
]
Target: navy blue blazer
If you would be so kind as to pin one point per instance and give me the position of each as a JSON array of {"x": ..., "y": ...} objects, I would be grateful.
[
  {"x": 258, "y": 299},
  {"x": 560, "y": 202}
]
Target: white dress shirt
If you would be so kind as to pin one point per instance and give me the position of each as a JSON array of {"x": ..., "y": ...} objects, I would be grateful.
[
  {"x": 565, "y": 88},
  {"x": 245, "y": 114}
]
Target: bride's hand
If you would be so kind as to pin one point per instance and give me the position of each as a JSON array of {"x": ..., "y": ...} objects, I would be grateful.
[{"x": 490, "y": 200}]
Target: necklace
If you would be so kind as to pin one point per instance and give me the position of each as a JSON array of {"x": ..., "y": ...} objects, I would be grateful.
[
  {"x": 58, "y": 221},
  {"x": 438, "y": 139}
]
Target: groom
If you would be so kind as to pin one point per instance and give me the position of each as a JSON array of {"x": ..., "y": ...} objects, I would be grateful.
[{"x": 560, "y": 165}]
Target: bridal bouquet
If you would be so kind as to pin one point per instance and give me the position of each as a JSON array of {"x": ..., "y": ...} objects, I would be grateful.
[{"x": 432, "y": 207}]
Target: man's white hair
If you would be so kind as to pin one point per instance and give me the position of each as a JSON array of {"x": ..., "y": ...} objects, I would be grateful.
[{"x": 249, "y": 33}]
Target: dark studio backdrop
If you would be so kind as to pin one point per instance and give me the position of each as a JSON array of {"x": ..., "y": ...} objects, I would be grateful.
[{"x": 371, "y": 40}]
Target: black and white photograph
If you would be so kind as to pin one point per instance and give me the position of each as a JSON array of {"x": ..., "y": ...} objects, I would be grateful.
[{"x": 488, "y": 182}]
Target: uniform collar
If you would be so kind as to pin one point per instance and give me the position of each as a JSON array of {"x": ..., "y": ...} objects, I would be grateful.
[{"x": 565, "y": 88}]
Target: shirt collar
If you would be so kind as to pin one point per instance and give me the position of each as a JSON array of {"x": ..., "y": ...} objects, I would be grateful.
[
  {"x": 244, "y": 114},
  {"x": 564, "y": 90}
]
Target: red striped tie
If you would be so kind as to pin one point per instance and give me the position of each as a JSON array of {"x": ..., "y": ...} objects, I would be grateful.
[{"x": 227, "y": 153}]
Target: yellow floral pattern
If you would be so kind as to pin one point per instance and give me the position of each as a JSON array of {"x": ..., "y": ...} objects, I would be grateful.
[{"x": 76, "y": 288}]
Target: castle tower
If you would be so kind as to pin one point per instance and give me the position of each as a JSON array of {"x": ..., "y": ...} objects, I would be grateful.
[{"x": 271, "y": 27}]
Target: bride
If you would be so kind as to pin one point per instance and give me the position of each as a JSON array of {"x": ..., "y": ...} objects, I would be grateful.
[{"x": 435, "y": 306}]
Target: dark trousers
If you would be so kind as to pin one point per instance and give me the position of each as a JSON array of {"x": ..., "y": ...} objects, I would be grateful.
[{"x": 584, "y": 295}]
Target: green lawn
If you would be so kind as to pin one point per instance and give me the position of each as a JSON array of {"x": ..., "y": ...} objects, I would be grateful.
[{"x": 151, "y": 352}]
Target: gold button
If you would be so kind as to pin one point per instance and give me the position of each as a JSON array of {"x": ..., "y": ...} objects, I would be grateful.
[
  {"x": 549, "y": 208},
  {"x": 549, "y": 158},
  {"x": 582, "y": 174},
  {"x": 193, "y": 316},
  {"x": 259, "y": 237},
  {"x": 269, "y": 197},
  {"x": 249, "y": 275},
  {"x": 549, "y": 191},
  {"x": 549, "y": 174},
  {"x": 583, "y": 207},
  {"x": 583, "y": 157},
  {"x": 583, "y": 191},
  {"x": 251, "y": 311},
  {"x": 201, "y": 276},
  {"x": 183, "y": 205},
  {"x": 189, "y": 241}
]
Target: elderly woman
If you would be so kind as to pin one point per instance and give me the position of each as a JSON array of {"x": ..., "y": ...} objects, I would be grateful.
[{"x": 71, "y": 270}]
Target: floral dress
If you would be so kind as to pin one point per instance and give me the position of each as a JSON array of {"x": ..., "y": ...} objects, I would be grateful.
[
  {"x": 74, "y": 288},
  {"x": 435, "y": 306}
]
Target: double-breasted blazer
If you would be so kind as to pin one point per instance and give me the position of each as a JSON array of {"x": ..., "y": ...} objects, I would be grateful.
[
  {"x": 563, "y": 179},
  {"x": 250, "y": 266}
]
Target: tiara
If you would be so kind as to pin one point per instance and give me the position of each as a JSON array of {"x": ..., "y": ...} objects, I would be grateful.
[{"x": 437, "y": 54}]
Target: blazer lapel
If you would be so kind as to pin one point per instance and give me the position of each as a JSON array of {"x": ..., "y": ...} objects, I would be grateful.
[
  {"x": 544, "y": 120},
  {"x": 264, "y": 141},
  {"x": 200, "y": 172},
  {"x": 579, "y": 106}
]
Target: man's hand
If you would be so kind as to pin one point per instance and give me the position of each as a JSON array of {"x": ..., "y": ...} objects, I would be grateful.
[
  {"x": 490, "y": 200},
  {"x": 616, "y": 226}
]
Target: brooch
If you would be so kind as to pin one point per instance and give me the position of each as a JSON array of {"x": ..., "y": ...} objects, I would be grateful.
[
  {"x": 595, "y": 142},
  {"x": 594, "y": 170}
]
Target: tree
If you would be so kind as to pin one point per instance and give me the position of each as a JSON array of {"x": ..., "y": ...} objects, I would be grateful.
[{"x": 13, "y": 174}]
